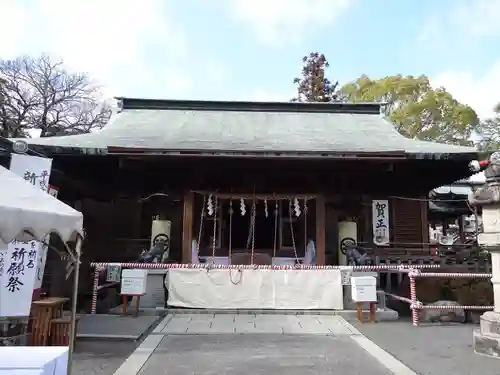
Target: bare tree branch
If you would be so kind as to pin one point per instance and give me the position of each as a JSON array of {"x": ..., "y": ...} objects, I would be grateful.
[{"x": 38, "y": 93}]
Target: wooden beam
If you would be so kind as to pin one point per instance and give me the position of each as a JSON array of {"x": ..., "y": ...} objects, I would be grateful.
[
  {"x": 187, "y": 226},
  {"x": 424, "y": 210},
  {"x": 257, "y": 196},
  {"x": 320, "y": 231}
]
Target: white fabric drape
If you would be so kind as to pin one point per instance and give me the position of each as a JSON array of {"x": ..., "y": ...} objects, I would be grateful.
[
  {"x": 310, "y": 256},
  {"x": 194, "y": 252}
]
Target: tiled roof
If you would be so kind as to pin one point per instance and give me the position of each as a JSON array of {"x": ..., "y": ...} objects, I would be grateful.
[{"x": 251, "y": 127}]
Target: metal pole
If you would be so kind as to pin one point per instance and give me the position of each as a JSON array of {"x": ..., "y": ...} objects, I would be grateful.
[{"x": 72, "y": 335}]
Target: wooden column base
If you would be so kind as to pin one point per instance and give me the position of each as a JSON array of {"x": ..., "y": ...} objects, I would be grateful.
[
  {"x": 125, "y": 304},
  {"x": 359, "y": 311}
]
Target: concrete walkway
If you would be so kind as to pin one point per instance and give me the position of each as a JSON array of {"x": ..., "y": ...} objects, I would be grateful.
[{"x": 249, "y": 344}]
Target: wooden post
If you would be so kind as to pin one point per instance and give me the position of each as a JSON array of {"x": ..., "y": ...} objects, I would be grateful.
[
  {"x": 320, "y": 231},
  {"x": 187, "y": 226}
]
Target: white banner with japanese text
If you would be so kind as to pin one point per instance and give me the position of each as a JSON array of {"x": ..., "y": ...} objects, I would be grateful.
[
  {"x": 380, "y": 220},
  {"x": 18, "y": 270},
  {"x": 35, "y": 170}
]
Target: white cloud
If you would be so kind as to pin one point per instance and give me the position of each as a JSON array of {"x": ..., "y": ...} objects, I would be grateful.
[
  {"x": 463, "y": 26},
  {"x": 108, "y": 39},
  {"x": 277, "y": 22},
  {"x": 477, "y": 18},
  {"x": 479, "y": 90}
]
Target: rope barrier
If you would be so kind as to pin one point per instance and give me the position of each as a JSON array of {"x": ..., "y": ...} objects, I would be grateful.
[
  {"x": 416, "y": 305},
  {"x": 104, "y": 265},
  {"x": 263, "y": 267}
]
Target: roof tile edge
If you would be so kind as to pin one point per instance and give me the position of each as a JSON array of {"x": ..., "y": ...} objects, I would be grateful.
[{"x": 248, "y": 106}]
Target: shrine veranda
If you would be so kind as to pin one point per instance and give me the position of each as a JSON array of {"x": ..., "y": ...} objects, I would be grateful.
[{"x": 249, "y": 184}]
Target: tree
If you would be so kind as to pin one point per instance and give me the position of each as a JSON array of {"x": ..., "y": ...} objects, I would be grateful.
[
  {"x": 38, "y": 93},
  {"x": 488, "y": 131},
  {"x": 313, "y": 86},
  {"x": 417, "y": 110}
]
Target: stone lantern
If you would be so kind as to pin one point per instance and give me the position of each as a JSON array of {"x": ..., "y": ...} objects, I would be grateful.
[{"x": 487, "y": 338}]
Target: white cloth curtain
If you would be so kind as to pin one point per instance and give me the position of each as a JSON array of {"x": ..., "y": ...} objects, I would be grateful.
[
  {"x": 310, "y": 255},
  {"x": 194, "y": 252}
]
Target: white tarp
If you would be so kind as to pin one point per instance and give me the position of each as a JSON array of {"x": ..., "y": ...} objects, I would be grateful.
[
  {"x": 255, "y": 289},
  {"x": 24, "y": 207}
]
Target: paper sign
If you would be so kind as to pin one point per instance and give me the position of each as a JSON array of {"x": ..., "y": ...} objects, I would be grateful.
[
  {"x": 134, "y": 282},
  {"x": 113, "y": 273},
  {"x": 380, "y": 219},
  {"x": 18, "y": 277}
]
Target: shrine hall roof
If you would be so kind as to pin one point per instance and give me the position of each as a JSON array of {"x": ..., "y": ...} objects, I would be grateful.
[{"x": 317, "y": 129}]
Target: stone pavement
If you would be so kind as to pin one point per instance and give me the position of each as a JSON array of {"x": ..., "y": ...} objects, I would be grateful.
[
  {"x": 431, "y": 349},
  {"x": 248, "y": 344},
  {"x": 201, "y": 324},
  {"x": 100, "y": 357}
]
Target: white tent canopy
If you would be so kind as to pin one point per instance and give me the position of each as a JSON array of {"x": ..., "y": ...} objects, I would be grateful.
[{"x": 27, "y": 212}]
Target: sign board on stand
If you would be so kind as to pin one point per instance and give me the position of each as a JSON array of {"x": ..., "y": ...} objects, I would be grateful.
[
  {"x": 364, "y": 288},
  {"x": 133, "y": 282}
]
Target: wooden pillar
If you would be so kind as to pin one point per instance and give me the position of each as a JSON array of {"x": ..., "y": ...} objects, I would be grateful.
[
  {"x": 320, "y": 231},
  {"x": 424, "y": 210},
  {"x": 187, "y": 226}
]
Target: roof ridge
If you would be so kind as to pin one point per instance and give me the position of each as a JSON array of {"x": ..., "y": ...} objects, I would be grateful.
[{"x": 247, "y": 106}]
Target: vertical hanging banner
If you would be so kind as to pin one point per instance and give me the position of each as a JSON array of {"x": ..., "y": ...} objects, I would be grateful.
[
  {"x": 18, "y": 267},
  {"x": 380, "y": 220},
  {"x": 35, "y": 170}
]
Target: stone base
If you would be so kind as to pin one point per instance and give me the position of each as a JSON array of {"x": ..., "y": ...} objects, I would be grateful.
[
  {"x": 484, "y": 345},
  {"x": 487, "y": 338}
]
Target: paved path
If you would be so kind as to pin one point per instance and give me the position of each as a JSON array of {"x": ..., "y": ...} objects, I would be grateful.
[
  {"x": 431, "y": 349},
  {"x": 249, "y": 344},
  {"x": 100, "y": 357},
  {"x": 200, "y": 324}
]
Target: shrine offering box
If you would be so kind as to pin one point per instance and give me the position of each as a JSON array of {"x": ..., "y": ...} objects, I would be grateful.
[
  {"x": 33, "y": 360},
  {"x": 364, "y": 288},
  {"x": 134, "y": 282}
]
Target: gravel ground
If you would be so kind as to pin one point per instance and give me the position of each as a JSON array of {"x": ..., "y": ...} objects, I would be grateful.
[
  {"x": 431, "y": 349},
  {"x": 101, "y": 357}
]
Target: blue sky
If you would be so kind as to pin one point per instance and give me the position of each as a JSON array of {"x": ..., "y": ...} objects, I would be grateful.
[{"x": 252, "y": 50}]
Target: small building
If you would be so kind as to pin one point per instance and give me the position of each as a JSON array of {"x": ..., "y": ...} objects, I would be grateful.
[{"x": 275, "y": 175}]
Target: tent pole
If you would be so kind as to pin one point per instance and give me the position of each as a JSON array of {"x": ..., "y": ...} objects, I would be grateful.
[{"x": 72, "y": 335}]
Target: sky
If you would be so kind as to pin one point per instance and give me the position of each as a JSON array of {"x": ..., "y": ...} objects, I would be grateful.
[{"x": 252, "y": 49}]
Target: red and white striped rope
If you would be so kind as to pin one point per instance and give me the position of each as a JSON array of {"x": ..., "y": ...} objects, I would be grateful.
[
  {"x": 457, "y": 307},
  {"x": 413, "y": 299},
  {"x": 95, "y": 284},
  {"x": 399, "y": 298},
  {"x": 453, "y": 275},
  {"x": 264, "y": 267}
]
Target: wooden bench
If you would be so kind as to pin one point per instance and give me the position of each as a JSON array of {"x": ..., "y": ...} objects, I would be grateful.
[
  {"x": 60, "y": 330},
  {"x": 43, "y": 312}
]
